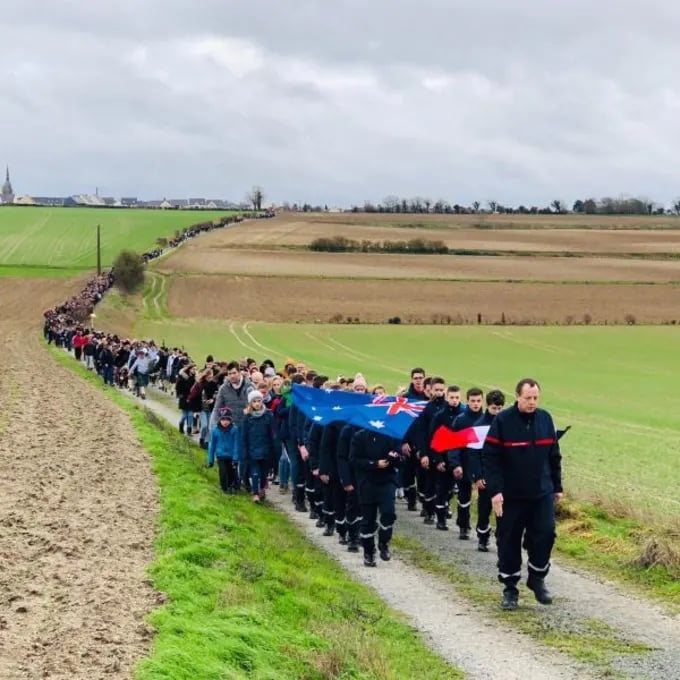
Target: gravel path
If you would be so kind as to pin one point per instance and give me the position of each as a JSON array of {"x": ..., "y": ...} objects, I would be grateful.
[{"x": 580, "y": 598}]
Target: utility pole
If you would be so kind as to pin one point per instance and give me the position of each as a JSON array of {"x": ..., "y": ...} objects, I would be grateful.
[{"x": 99, "y": 250}]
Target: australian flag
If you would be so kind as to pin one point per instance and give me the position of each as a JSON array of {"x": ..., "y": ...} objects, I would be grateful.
[{"x": 391, "y": 416}]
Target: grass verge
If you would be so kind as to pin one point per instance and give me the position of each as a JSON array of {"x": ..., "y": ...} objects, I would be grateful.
[
  {"x": 247, "y": 595},
  {"x": 643, "y": 555}
]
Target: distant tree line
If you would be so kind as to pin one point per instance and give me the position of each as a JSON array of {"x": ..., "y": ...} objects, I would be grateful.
[{"x": 589, "y": 206}]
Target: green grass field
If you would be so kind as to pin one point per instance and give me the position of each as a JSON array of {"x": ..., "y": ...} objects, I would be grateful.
[
  {"x": 616, "y": 386},
  {"x": 43, "y": 241}
]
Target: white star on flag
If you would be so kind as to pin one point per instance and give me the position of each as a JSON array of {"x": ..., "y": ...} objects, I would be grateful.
[
  {"x": 378, "y": 424},
  {"x": 337, "y": 408},
  {"x": 318, "y": 418}
]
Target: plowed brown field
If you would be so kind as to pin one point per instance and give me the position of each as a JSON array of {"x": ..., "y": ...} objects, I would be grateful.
[
  {"x": 195, "y": 258},
  {"x": 77, "y": 511},
  {"x": 285, "y": 231},
  {"x": 280, "y": 299}
]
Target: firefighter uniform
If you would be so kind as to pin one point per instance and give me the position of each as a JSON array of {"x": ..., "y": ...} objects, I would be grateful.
[
  {"x": 377, "y": 486},
  {"x": 521, "y": 459},
  {"x": 463, "y": 421},
  {"x": 347, "y": 478}
]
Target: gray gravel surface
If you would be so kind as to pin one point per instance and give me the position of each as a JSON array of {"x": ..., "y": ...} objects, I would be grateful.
[
  {"x": 467, "y": 636},
  {"x": 579, "y": 599}
]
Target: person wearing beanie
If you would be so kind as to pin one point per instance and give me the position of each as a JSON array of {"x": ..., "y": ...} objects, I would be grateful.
[
  {"x": 360, "y": 384},
  {"x": 224, "y": 446},
  {"x": 258, "y": 443}
]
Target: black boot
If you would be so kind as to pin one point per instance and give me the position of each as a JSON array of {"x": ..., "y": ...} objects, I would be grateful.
[
  {"x": 385, "y": 554},
  {"x": 464, "y": 534},
  {"x": 369, "y": 559},
  {"x": 329, "y": 530},
  {"x": 541, "y": 593},
  {"x": 181, "y": 428},
  {"x": 483, "y": 545},
  {"x": 342, "y": 539},
  {"x": 429, "y": 519},
  {"x": 353, "y": 545},
  {"x": 441, "y": 525},
  {"x": 313, "y": 514},
  {"x": 510, "y": 598},
  {"x": 319, "y": 522},
  {"x": 300, "y": 506}
]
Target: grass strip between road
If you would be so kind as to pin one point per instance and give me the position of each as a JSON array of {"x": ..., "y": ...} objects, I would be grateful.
[{"x": 247, "y": 595}]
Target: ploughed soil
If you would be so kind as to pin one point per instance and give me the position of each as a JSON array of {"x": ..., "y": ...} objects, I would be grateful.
[
  {"x": 558, "y": 234},
  {"x": 77, "y": 510},
  {"x": 194, "y": 258},
  {"x": 321, "y": 300}
]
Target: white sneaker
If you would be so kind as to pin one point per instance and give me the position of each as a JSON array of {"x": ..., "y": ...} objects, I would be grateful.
[{"x": 400, "y": 492}]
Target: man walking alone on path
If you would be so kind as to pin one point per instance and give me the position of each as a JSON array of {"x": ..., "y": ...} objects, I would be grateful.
[{"x": 522, "y": 468}]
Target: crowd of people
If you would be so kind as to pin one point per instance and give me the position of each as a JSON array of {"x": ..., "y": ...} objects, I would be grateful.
[{"x": 348, "y": 479}]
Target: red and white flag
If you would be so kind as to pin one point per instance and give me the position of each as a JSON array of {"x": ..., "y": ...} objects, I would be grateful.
[{"x": 445, "y": 438}]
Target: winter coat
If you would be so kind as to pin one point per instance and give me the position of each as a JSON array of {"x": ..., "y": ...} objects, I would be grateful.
[
  {"x": 224, "y": 443},
  {"x": 521, "y": 455},
  {"x": 257, "y": 436},
  {"x": 366, "y": 449},
  {"x": 236, "y": 398}
]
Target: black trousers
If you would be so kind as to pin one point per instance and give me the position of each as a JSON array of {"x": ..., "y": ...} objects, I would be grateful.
[
  {"x": 313, "y": 488},
  {"x": 329, "y": 509},
  {"x": 300, "y": 480},
  {"x": 464, "y": 502},
  {"x": 352, "y": 514},
  {"x": 228, "y": 476},
  {"x": 409, "y": 471},
  {"x": 373, "y": 500},
  {"x": 537, "y": 518},
  {"x": 427, "y": 487},
  {"x": 483, "y": 515},
  {"x": 443, "y": 484}
]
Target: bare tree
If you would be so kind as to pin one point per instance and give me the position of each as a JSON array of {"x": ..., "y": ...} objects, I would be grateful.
[
  {"x": 492, "y": 206},
  {"x": 556, "y": 205},
  {"x": 476, "y": 205},
  {"x": 255, "y": 197},
  {"x": 676, "y": 206}
]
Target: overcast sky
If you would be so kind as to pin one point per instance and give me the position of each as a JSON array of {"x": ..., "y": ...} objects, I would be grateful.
[{"x": 521, "y": 101}]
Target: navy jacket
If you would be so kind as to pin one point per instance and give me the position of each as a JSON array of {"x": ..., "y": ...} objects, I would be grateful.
[
  {"x": 366, "y": 449},
  {"x": 328, "y": 449},
  {"x": 257, "y": 437},
  {"x": 421, "y": 428},
  {"x": 312, "y": 440},
  {"x": 475, "y": 469},
  {"x": 521, "y": 456},
  {"x": 464, "y": 420},
  {"x": 345, "y": 469}
]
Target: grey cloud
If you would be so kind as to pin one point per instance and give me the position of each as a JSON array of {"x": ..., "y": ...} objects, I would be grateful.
[{"x": 344, "y": 101}]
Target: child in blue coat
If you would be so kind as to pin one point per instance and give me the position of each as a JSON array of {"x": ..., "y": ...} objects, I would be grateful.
[{"x": 225, "y": 446}]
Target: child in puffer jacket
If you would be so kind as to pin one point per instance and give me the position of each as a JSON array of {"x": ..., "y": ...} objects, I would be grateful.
[{"x": 225, "y": 444}]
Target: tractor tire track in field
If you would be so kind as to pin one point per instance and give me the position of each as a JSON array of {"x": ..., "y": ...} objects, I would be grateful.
[
  {"x": 77, "y": 512},
  {"x": 486, "y": 644}
]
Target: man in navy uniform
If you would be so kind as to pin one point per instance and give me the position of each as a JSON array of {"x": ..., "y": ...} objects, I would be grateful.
[
  {"x": 522, "y": 468},
  {"x": 375, "y": 459}
]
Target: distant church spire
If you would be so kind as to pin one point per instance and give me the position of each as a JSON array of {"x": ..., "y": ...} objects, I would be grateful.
[{"x": 7, "y": 194}]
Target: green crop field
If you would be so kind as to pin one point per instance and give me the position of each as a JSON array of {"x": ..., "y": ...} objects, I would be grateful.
[
  {"x": 43, "y": 241},
  {"x": 616, "y": 386}
]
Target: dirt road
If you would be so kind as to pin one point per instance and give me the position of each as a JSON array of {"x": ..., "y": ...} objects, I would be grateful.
[{"x": 77, "y": 510}]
